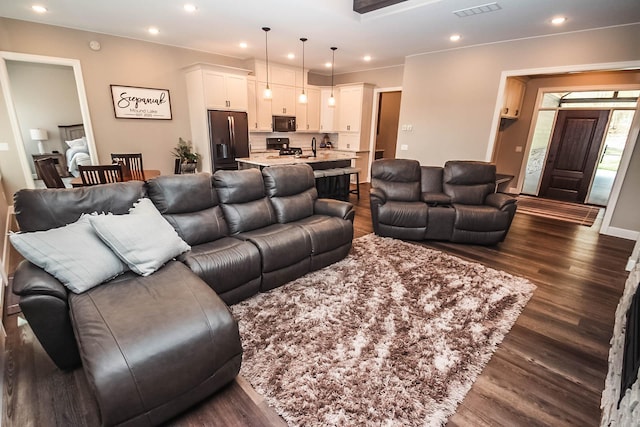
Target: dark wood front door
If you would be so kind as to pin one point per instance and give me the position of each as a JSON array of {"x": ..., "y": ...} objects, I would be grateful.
[{"x": 573, "y": 154}]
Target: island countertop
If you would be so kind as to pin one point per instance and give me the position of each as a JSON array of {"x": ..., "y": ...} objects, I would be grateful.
[{"x": 270, "y": 159}]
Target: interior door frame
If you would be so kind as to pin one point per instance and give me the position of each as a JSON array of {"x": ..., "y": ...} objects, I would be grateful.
[
  {"x": 5, "y": 83},
  {"x": 374, "y": 122}
]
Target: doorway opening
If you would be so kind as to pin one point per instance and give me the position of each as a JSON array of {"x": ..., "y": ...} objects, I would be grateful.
[
  {"x": 577, "y": 143},
  {"x": 387, "y": 124}
]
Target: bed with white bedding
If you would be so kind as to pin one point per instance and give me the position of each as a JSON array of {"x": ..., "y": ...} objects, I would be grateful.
[{"x": 78, "y": 151}]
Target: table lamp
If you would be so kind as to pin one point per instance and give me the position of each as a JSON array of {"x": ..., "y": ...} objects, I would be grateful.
[{"x": 39, "y": 135}]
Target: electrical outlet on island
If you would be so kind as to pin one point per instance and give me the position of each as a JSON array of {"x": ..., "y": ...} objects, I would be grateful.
[{"x": 348, "y": 145}]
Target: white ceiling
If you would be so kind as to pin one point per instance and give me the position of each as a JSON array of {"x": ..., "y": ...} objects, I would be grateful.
[{"x": 388, "y": 35}]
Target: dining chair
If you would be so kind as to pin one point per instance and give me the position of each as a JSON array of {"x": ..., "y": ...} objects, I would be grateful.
[
  {"x": 100, "y": 174},
  {"x": 133, "y": 163},
  {"x": 49, "y": 173}
]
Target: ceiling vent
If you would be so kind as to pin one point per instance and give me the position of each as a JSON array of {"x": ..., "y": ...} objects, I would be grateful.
[{"x": 477, "y": 10}]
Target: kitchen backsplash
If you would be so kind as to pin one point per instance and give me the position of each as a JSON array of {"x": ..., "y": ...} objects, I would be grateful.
[{"x": 258, "y": 140}]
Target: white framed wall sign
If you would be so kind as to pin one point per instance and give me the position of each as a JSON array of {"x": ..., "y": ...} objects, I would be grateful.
[{"x": 141, "y": 103}]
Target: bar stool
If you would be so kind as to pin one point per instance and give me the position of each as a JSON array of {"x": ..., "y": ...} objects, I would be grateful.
[
  {"x": 351, "y": 171},
  {"x": 333, "y": 179}
]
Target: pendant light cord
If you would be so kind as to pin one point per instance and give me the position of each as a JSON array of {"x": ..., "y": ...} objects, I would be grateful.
[
  {"x": 266, "y": 50},
  {"x": 333, "y": 64},
  {"x": 303, "y": 40}
]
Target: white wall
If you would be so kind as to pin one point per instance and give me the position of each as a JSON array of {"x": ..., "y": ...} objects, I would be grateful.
[{"x": 450, "y": 97}]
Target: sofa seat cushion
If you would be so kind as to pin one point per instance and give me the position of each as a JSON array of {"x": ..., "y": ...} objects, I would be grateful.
[
  {"x": 225, "y": 263},
  {"x": 403, "y": 214},
  {"x": 280, "y": 245},
  {"x": 326, "y": 233},
  {"x": 153, "y": 346},
  {"x": 481, "y": 218}
]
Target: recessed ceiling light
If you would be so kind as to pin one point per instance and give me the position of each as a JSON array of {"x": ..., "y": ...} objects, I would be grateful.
[
  {"x": 558, "y": 20},
  {"x": 243, "y": 45},
  {"x": 455, "y": 37},
  {"x": 290, "y": 55},
  {"x": 190, "y": 8},
  {"x": 153, "y": 30},
  {"x": 327, "y": 64},
  {"x": 38, "y": 8},
  {"x": 367, "y": 58}
]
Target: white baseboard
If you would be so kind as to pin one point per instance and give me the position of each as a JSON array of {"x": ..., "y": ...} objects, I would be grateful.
[{"x": 621, "y": 232}]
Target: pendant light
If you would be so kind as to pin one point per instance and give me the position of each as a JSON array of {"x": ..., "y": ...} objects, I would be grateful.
[
  {"x": 267, "y": 91},
  {"x": 302, "y": 99},
  {"x": 332, "y": 100}
]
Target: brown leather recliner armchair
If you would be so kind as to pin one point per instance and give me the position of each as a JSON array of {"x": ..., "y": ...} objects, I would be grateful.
[{"x": 456, "y": 203}]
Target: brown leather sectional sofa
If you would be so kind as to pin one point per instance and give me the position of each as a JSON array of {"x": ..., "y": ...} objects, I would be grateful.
[
  {"x": 456, "y": 202},
  {"x": 152, "y": 346}
]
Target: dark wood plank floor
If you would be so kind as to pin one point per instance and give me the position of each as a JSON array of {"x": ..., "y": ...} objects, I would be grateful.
[{"x": 549, "y": 370}]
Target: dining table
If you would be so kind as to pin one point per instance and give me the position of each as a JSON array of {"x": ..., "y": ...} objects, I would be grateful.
[{"x": 148, "y": 174}]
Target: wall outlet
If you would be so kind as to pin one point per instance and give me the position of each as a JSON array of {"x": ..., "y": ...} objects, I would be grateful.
[
  {"x": 403, "y": 127},
  {"x": 4, "y": 146},
  {"x": 409, "y": 128},
  {"x": 348, "y": 145},
  {"x": 404, "y": 147},
  {"x": 518, "y": 148}
]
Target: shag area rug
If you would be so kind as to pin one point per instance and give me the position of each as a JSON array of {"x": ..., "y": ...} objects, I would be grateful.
[{"x": 394, "y": 334}]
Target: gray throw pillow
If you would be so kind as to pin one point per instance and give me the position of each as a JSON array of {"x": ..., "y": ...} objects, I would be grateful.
[
  {"x": 73, "y": 254},
  {"x": 144, "y": 240}
]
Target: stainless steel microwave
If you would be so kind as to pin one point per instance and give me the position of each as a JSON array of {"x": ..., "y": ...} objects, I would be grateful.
[{"x": 284, "y": 124}]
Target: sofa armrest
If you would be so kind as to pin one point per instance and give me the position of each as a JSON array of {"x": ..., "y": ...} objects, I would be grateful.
[
  {"x": 377, "y": 196},
  {"x": 335, "y": 208},
  {"x": 499, "y": 200},
  {"x": 436, "y": 199},
  {"x": 30, "y": 279}
]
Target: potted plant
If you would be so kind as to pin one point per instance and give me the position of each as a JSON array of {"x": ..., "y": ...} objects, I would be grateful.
[{"x": 188, "y": 158}]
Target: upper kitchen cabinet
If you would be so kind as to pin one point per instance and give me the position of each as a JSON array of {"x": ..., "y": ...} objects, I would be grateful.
[
  {"x": 514, "y": 94},
  {"x": 222, "y": 88},
  {"x": 284, "y": 100},
  {"x": 356, "y": 102},
  {"x": 328, "y": 114},
  {"x": 263, "y": 107},
  {"x": 279, "y": 74},
  {"x": 308, "y": 115}
]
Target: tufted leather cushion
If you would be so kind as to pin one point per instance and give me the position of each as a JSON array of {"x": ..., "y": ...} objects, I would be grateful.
[
  {"x": 244, "y": 203},
  {"x": 190, "y": 204},
  {"x": 469, "y": 182},
  {"x": 399, "y": 179}
]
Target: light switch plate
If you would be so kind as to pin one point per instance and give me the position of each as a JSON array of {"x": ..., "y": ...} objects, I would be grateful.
[
  {"x": 4, "y": 146},
  {"x": 404, "y": 147}
]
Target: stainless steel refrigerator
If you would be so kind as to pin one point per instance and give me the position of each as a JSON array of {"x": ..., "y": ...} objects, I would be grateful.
[{"x": 229, "y": 138}]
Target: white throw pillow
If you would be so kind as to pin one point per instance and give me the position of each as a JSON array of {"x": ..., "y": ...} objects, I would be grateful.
[
  {"x": 77, "y": 143},
  {"x": 73, "y": 254},
  {"x": 144, "y": 240}
]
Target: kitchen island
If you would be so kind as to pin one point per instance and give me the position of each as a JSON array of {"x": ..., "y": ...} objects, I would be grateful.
[
  {"x": 326, "y": 159},
  {"x": 333, "y": 184}
]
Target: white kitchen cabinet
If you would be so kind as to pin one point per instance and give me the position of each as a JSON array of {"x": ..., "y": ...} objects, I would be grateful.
[
  {"x": 328, "y": 114},
  {"x": 308, "y": 115},
  {"x": 284, "y": 100},
  {"x": 263, "y": 109},
  {"x": 514, "y": 94},
  {"x": 355, "y": 108},
  {"x": 350, "y": 116},
  {"x": 252, "y": 108},
  {"x": 224, "y": 91}
]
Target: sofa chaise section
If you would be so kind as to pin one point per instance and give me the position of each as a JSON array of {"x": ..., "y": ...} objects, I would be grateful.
[{"x": 153, "y": 346}]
